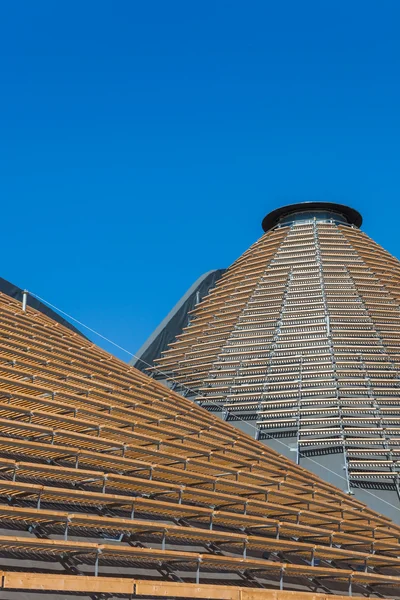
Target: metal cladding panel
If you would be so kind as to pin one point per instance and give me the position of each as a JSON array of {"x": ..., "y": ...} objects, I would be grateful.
[
  {"x": 302, "y": 336},
  {"x": 329, "y": 467},
  {"x": 111, "y": 484},
  {"x": 173, "y": 324}
]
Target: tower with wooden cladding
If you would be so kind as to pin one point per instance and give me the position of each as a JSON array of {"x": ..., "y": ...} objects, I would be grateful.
[
  {"x": 298, "y": 344},
  {"x": 112, "y": 486}
]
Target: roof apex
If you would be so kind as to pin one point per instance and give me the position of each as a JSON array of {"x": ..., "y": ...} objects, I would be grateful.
[{"x": 351, "y": 215}]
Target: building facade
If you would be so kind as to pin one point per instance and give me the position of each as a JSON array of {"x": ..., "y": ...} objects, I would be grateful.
[{"x": 298, "y": 344}]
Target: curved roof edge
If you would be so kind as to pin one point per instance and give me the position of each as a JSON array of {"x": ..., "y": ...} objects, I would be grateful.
[
  {"x": 15, "y": 292},
  {"x": 175, "y": 321}
]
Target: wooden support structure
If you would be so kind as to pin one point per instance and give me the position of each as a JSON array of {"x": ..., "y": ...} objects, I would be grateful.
[
  {"x": 126, "y": 587},
  {"x": 112, "y": 484}
]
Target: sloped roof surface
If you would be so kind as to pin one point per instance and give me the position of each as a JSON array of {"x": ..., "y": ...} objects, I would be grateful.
[{"x": 111, "y": 484}]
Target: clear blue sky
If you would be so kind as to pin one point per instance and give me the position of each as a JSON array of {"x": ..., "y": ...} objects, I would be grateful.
[{"x": 142, "y": 142}]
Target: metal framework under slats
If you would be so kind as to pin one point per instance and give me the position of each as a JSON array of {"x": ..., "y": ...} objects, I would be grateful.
[
  {"x": 301, "y": 339},
  {"x": 112, "y": 486}
]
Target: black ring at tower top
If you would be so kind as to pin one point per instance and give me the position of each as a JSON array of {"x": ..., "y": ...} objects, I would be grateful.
[{"x": 351, "y": 216}]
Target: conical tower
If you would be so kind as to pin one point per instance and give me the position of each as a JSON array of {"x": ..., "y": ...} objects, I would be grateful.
[
  {"x": 299, "y": 345},
  {"x": 112, "y": 486}
]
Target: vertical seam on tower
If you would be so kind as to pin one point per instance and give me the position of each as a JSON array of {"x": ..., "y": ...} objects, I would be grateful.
[
  {"x": 386, "y": 441},
  {"x": 256, "y": 287},
  {"x": 332, "y": 353},
  {"x": 377, "y": 408}
]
